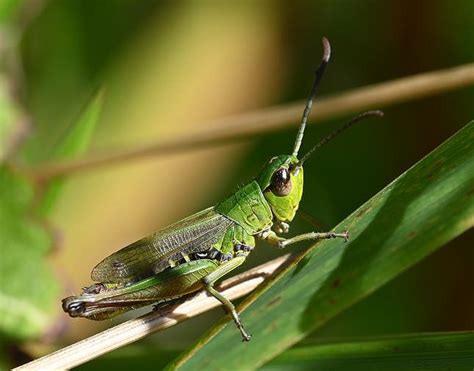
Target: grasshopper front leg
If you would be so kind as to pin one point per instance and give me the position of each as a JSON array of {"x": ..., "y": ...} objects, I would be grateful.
[
  {"x": 281, "y": 242},
  {"x": 209, "y": 281}
]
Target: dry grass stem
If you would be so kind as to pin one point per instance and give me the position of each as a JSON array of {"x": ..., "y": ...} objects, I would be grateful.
[
  {"x": 248, "y": 125},
  {"x": 135, "y": 329}
]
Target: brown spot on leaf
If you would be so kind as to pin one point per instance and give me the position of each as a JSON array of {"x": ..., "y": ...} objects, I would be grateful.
[
  {"x": 438, "y": 163},
  {"x": 411, "y": 235},
  {"x": 336, "y": 283},
  {"x": 272, "y": 327},
  {"x": 274, "y": 302},
  {"x": 361, "y": 212}
]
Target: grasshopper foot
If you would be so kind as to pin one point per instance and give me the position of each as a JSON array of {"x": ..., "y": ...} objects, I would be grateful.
[
  {"x": 246, "y": 338},
  {"x": 346, "y": 235}
]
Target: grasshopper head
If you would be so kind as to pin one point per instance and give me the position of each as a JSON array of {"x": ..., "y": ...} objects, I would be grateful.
[
  {"x": 282, "y": 183},
  {"x": 282, "y": 178}
]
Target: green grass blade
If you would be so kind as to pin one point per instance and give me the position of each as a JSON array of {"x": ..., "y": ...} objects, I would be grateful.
[
  {"x": 75, "y": 143},
  {"x": 77, "y": 139},
  {"x": 427, "y": 206},
  {"x": 436, "y": 351}
]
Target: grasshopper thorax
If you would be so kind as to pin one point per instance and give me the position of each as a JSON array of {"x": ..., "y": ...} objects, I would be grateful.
[{"x": 282, "y": 183}]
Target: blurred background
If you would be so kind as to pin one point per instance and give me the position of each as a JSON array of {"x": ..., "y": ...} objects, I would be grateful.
[{"x": 167, "y": 68}]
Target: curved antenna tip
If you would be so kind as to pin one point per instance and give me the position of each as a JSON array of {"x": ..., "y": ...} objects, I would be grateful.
[
  {"x": 319, "y": 74},
  {"x": 327, "y": 49}
]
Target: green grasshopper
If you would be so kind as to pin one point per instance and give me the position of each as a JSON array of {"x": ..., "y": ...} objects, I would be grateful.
[{"x": 195, "y": 252}]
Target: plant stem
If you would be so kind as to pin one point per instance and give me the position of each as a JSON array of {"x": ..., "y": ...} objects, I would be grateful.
[
  {"x": 135, "y": 329},
  {"x": 248, "y": 125}
]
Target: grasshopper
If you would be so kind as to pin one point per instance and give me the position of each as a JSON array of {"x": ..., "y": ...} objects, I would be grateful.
[{"x": 195, "y": 252}]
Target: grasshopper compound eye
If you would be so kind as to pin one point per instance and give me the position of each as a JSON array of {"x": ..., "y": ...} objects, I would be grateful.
[{"x": 281, "y": 182}]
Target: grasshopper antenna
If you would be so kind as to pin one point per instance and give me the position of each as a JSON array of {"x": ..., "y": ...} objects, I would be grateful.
[
  {"x": 338, "y": 131},
  {"x": 314, "y": 89}
]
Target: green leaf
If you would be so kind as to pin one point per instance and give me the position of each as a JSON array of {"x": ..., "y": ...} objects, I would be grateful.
[
  {"x": 78, "y": 138},
  {"x": 436, "y": 351},
  {"x": 421, "y": 210},
  {"x": 75, "y": 143},
  {"x": 28, "y": 289},
  {"x": 11, "y": 120}
]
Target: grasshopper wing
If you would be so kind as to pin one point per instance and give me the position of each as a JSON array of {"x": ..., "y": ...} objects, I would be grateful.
[{"x": 152, "y": 254}]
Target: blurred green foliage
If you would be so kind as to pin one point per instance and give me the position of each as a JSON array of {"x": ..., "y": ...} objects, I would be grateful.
[
  {"x": 8, "y": 117},
  {"x": 59, "y": 52},
  {"x": 28, "y": 289}
]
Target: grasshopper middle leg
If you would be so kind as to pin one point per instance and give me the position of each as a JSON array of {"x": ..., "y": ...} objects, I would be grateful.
[
  {"x": 281, "y": 242},
  {"x": 209, "y": 281}
]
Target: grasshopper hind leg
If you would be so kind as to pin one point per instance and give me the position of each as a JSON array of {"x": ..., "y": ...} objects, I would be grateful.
[
  {"x": 209, "y": 281},
  {"x": 230, "y": 307}
]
